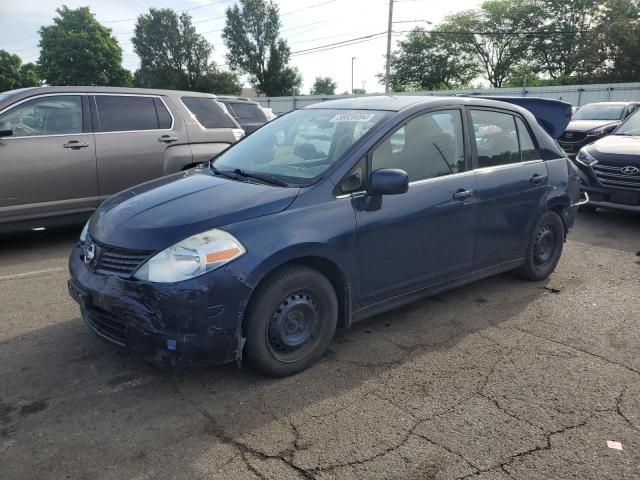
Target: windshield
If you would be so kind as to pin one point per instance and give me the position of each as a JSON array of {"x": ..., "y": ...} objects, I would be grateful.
[
  {"x": 631, "y": 126},
  {"x": 599, "y": 112},
  {"x": 300, "y": 146}
]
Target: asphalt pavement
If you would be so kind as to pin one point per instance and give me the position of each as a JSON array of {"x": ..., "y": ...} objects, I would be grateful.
[{"x": 502, "y": 379}]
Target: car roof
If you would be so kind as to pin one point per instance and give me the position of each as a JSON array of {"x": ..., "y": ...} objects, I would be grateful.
[
  {"x": 613, "y": 104},
  {"x": 29, "y": 92},
  {"x": 233, "y": 98},
  {"x": 395, "y": 103}
]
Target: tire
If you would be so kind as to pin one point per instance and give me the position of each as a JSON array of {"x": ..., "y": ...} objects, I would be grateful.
[
  {"x": 290, "y": 321},
  {"x": 545, "y": 247}
]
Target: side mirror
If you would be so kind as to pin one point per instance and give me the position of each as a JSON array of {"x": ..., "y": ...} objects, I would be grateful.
[
  {"x": 5, "y": 129},
  {"x": 388, "y": 181}
]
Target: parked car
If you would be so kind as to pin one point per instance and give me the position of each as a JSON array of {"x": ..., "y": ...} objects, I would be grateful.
[
  {"x": 325, "y": 216},
  {"x": 63, "y": 150},
  {"x": 246, "y": 112},
  {"x": 611, "y": 168},
  {"x": 593, "y": 121}
]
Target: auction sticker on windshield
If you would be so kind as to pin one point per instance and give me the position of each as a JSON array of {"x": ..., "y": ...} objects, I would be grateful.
[{"x": 352, "y": 117}]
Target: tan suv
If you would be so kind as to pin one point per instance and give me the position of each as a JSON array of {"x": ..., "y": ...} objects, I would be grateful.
[{"x": 63, "y": 150}]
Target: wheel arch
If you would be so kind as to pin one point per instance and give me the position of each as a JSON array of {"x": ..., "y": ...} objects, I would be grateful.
[{"x": 327, "y": 267}]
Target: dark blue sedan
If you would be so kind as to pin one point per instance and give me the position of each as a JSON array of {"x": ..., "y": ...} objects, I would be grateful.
[{"x": 323, "y": 217}]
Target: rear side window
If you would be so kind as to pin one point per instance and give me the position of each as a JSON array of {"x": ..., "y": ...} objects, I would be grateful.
[
  {"x": 127, "y": 113},
  {"x": 207, "y": 112},
  {"x": 50, "y": 115},
  {"x": 527, "y": 147},
  {"x": 496, "y": 138},
  {"x": 248, "y": 111},
  {"x": 164, "y": 117}
]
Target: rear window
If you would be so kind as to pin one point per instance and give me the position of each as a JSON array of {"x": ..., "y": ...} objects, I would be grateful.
[
  {"x": 248, "y": 111},
  {"x": 127, "y": 113},
  {"x": 207, "y": 112}
]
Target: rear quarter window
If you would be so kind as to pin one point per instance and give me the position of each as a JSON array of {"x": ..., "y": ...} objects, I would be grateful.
[
  {"x": 248, "y": 111},
  {"x": 207, "y": 112}
]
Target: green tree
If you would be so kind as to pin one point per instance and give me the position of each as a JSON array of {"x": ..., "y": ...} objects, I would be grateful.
[
  {"x": 77, "y": 50},
  {"x": 251, "y": 34},
  {"x": 324, "y": 86},
  {"x": 426, "y": 61},
  {"x": 172, "y": 55},
  {"x": 573, "y": 46},
  {"x": 493, "y": 35},
  {"x": 620, "y": 32},
  {"x": 13, "y": 74}
]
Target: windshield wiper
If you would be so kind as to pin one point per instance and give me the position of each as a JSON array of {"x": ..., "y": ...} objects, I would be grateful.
[
  {"x": 224, "y": 173},
  {"x": 262, "y": 177}
]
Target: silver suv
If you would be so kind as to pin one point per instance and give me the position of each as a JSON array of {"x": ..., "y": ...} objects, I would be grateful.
[{"x": 63, "y": 150}]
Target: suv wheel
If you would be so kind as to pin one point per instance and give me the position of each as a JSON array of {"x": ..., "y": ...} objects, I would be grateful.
[
  {"x": 290, "y": 321},
  {"x": 545, "y": 247}
]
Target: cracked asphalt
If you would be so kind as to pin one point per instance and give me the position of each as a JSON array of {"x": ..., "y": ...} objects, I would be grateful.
[{"x": 502, "y": 379}]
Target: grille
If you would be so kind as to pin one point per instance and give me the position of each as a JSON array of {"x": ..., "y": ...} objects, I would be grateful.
[
  {"x": 107, "y": 325},
  {"x": 611, "y": 176},
  {"x": 119, "y": 262},
  {"x": 573, "y": 136}
]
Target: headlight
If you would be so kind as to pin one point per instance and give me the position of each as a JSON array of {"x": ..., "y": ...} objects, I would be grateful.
[
  {"x": 599, "y": 132},
  {"x": 85, "y": 230},
  {"x": 191, "y": 257},
  {"x": 585, "y": 158}
]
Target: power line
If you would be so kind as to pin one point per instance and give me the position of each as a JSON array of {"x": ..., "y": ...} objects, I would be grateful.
[
  {"x": 219, "y": 2},
  {"x": 342, "y": 43}
]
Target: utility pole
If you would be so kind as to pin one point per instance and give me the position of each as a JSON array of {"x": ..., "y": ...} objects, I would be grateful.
[
  {"x": 388, "y": 62},
  {"x": 352, "y": 59}
]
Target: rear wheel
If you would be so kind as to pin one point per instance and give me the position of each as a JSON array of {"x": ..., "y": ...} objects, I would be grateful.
[
  {"x": 290, "y": 321},
  {"x": 545, "y": 247}
]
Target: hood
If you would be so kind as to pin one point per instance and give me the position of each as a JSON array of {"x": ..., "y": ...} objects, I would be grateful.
[
  {"x": 617, "y": 149},
  {"x": 586, "y": 125},
  {"x": 162, "y": 212}
]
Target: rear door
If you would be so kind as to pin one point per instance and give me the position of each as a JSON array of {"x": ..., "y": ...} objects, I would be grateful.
[
  {"x": 48, "y": 165},
  {"x": 132, "y": 134},
  {"x": 512, "y": 184}
]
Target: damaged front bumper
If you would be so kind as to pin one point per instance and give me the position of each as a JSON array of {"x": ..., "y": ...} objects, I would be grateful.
[{"x": 197, "y": 322}]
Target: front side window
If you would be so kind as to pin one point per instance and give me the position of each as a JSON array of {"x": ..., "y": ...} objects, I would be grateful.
[
  {"x": 50, "y": 115},
  {"x": 300, "y": 146},
  {"x": 428, "y": 146},
  {"x": 496, "y": 138},
  {"x": 207, "y": 112},
  {"x": 126, "y": 113}
]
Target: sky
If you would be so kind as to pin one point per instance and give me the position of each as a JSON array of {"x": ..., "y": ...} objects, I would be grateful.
[{"x": 305, "y": 24}]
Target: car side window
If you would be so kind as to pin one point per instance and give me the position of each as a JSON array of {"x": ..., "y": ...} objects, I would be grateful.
[
  {"x": 428, "y": 146},
  {"x": 207, "y": 112},
  {"x": 50, "y": 115},
  {"x": 126, "y": 113},
  {"x": 355, "y": 180},
  {"x": 527, "y": 147},
  {"x": 496, "y": 138}
]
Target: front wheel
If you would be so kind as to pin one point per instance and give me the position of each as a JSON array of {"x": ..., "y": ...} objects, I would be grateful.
[
  {"x": 290, "y": 321},
  {"x": 545, "y": 247}
]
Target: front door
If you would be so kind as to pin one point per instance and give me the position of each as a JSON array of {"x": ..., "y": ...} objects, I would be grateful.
[
  {"x": 427, "y": 235},
  {"x": 512, "y": 182},
  {"x": 132, "y": 135},
  {"x": 48, "y": 164}
]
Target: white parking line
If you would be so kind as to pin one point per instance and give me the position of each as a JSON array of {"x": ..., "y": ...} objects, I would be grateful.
[{"x": 31, "y": 274}]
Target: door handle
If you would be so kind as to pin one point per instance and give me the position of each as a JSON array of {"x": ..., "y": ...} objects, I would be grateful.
[
  {"x": 167, "y": 139},
  {"x": 463, "y": 194},
  {"x": 74, "y": 144},
  {"x": 538, "y": 179}
]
